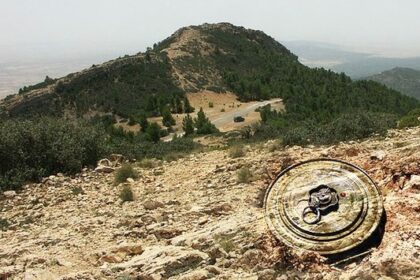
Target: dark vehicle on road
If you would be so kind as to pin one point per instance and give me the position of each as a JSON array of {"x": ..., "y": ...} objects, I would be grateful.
[{"x": 238, "y": 119}]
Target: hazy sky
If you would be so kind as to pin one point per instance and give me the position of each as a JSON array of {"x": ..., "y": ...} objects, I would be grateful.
[{"x": 79, "y": 27}]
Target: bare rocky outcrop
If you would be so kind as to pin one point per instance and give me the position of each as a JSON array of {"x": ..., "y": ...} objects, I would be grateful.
[{"x": 191, "y": 219}]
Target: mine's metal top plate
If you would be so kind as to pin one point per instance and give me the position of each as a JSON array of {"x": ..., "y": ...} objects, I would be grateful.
[{"x": 323, "y": 205}]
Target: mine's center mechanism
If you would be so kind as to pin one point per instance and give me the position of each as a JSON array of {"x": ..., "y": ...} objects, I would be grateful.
[
  {"x": 323, "y": 205},
  {"x": 322, "y": 200}
]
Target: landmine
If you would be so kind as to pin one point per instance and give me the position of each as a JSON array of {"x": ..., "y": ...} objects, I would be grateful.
[{"x": 323, "y": 205}]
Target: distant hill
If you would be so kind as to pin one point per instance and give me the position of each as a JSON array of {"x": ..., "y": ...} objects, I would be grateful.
[
  {"x": 372, "y": 65},
  {"x": 218, "y": 57},
  {"x": 355, "y": 64},
  {"x": 405, "y": 80}
]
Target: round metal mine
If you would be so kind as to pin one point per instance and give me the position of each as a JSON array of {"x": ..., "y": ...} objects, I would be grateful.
[{"x": 323, "y": 205}]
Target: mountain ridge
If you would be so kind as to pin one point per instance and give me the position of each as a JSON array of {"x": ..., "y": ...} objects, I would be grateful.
[
  {"x": 404, "y": 79},
  {"x": 218, "y": 57}
]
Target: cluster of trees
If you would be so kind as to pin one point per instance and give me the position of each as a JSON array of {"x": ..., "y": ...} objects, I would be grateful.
[
  {"x": 256, "y": 67},
  {"x": 130, "y": 86},
  {"x": 411, "y": 119},
  {"x": 155, "y": 105},
  {"x": 200, "y": 125},
  {"x": 47, "y": 81},
  {"x": 32, "y": 149}
]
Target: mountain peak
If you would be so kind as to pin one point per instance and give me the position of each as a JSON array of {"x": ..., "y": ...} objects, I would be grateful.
[
  {"x": 403, "y": 79},
  {"x": 218, "y": 57}
]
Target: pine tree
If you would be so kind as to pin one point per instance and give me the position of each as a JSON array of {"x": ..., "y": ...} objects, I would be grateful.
[
  {"x": 144, "y": 124},
  {"x": 177, "y": 105},
  {"x": 153, "y": 132},
  {"x": 167, "y": 118},
  {"x": 187, "y": 106},
  {"x": 188, "y": 125},
  {"x": 203, "y": 124}
]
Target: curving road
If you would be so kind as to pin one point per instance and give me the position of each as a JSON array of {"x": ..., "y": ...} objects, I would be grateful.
[{"x": 227, "y": 117}]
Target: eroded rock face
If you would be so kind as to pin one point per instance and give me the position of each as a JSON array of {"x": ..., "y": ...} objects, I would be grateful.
[
  {"x": 108, "y": 165},
  {"x": 165, "y": 261},
  {"x": 192, "y": 220}
]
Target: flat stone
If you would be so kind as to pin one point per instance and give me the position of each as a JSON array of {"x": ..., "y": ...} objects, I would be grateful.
[
  {"x": 414, "y": 182},
  {"x": 377, "y": 155},
  {"x": 9, "y": 194},
  {"x": 152, "y": 204},
  {"x": 130, "y": 180},
  {"x": 104, "y": 169}
]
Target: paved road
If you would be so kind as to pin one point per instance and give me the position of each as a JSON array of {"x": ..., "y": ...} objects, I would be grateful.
[{"x": 227, "y": 118}]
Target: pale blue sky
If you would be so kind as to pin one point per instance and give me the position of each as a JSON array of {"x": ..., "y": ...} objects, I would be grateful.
[{"x": 79, "y": 27}]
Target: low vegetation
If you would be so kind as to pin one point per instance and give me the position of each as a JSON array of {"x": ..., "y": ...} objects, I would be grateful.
[
  {"x": 411, "y": 119},
  {"x": 148, "y": 163},
  {"x": 126, "y": 194},
  {"x": 237, "y": 151},
  {"x": 77, "y": 190},
  {"x": 123, "y": 173},
  {"x": 32, "y": 149},
  {"x": 346, "y": 126},
  {"x": 4, "y": 224},
  {"x": 225, "y": 242},
  {"x": 275, "y": 145},
  {"x": 245, "y": 175}
]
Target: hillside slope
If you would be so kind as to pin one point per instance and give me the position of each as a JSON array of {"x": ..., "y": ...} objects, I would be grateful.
[
  {"x": 217, "y": 57},
  {"x": 199, "y": 223},
  {"x": 405, "y": 80}
]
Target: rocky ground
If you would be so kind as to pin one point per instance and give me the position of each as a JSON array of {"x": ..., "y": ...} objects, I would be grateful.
[{"x": 192, "y": 219}]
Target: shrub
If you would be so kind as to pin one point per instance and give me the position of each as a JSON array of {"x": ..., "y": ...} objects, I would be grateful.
[
  {"x": 275, "y": 145},
  {"x": 211, "y": 105},
  {"x": 244, "y": 175},
  {"x": 4, "y": 224},
  {"x": 147, "y": 163},
  {"x": 222, "y": 110},
  {"x": 32, "y": 149},
  {"x": 411, "y": 119},
  {"x": 237, "y": 151},
  {"x": 123, "y": 173},
  {"x": 297, "y": 136},
  {"x": 126, "y": 194},
  {"x": 173, "y": 156},
  {"x": 131, "y": 121},
  {"x": 77, "y": 190},
  {"x": 344, "y": 128},
  {"x": 153, "y": 132},
  {"x": 139, "y": 149},
  {"x": 226, "y": 242}
]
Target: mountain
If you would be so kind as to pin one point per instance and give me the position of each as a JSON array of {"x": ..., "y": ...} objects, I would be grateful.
[
  {"x": 405, "y": 80},
  {"x": 355, "y": 64},
  {"x": 374, "y": 64},
  {"x": 219, "y": 57}
]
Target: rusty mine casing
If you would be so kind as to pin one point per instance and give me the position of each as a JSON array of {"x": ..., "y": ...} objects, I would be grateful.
[{"x": 323, "y": 205}]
